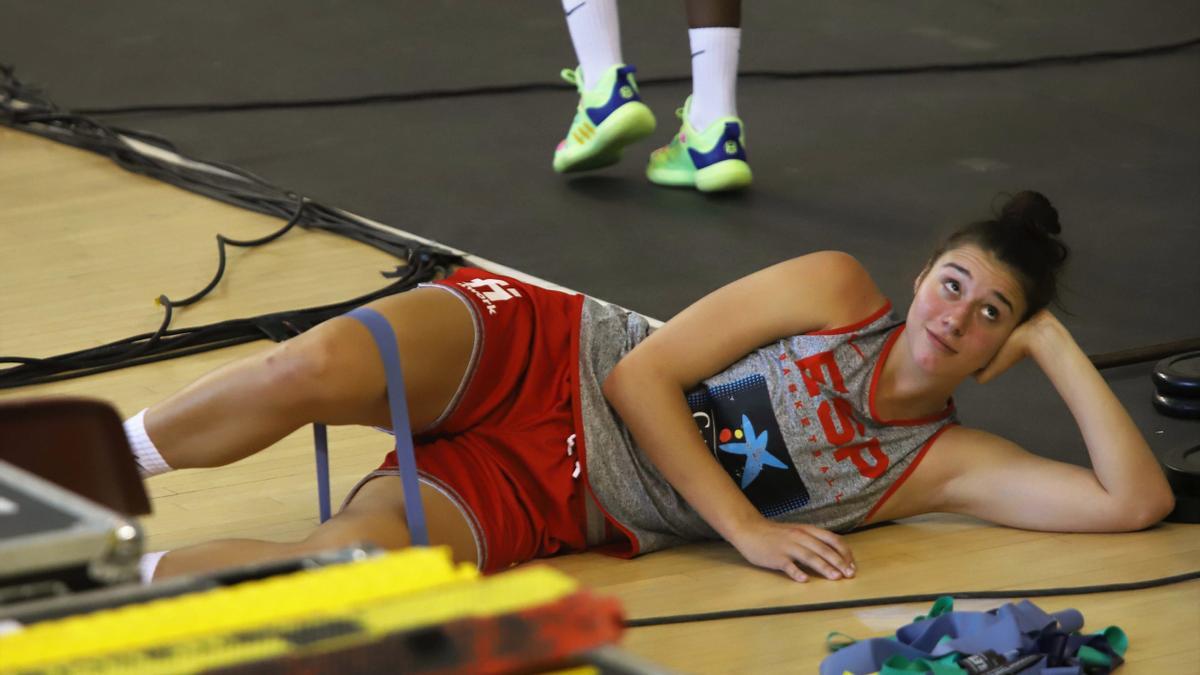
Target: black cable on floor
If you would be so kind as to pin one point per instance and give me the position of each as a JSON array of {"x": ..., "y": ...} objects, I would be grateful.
[
  {"x": 532, "y": 87},
  {"x": 24, "y": 108},
  {"x": 222, "y": 241},
  {"x": 903, "y": 599}
]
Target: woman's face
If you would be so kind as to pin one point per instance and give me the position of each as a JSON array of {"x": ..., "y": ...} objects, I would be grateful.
[{"x": 965, "y": 306}]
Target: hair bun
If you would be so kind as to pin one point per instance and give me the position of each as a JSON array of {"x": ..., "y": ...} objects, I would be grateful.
[{"x": 1033, "y": 211}]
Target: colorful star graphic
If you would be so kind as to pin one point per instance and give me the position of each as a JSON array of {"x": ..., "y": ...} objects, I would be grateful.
[{"x": 754, "y": 448}]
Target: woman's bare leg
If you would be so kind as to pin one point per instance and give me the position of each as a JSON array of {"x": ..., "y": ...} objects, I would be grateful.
[
  {"x": 331, "y": 374},
  {"x": 376, "y": 515}
]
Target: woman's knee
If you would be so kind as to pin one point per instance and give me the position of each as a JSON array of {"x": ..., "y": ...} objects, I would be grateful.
[
  {"x": 323, "y": 372},
  {"x": 334, "y": 374},
  {"x": 384, "y": 529}
]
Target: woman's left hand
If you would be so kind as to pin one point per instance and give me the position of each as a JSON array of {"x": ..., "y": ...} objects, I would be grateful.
[{"x": 1026, "y": 340}]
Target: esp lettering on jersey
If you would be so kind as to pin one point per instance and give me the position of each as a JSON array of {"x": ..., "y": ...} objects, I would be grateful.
[{"x": 838, "y": 422}]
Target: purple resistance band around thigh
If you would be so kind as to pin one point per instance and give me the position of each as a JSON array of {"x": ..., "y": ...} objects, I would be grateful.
[{"x": 385, "y": 341}]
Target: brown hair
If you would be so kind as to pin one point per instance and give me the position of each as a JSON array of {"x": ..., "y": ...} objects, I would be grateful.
[{"x": 1024, "y": 236}]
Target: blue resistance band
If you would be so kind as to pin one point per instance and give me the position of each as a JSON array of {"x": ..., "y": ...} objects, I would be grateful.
[
  {"x": 385, "y": 341},
  {"x": 965, "y": 642}
]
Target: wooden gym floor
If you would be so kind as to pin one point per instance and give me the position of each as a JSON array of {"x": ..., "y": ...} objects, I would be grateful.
[{"x": 86, "y": 248}]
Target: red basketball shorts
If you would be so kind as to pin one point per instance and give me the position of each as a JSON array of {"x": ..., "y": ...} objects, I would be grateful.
[{"x": 504, "y": 450}]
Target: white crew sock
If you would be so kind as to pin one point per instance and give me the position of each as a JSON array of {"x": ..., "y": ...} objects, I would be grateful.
[
  {"x": 148, "y": 564},
  {"x": 714, "y": 74},
  {"x": 596, "y": 34},
  {"x": 149, "y": 462}
]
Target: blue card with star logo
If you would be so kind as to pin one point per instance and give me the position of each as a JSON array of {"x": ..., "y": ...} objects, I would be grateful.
[{"x": 738, "y": 424}]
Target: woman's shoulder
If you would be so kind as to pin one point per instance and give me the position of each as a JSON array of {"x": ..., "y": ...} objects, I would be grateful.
[{"x": 840, "y": 282}]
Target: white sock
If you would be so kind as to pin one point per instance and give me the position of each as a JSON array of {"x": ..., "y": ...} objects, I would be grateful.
[
  {"x": 148, "y": 564},
  {"x": 596, "y": 34},
  {"x": 149, "y": 462},
  {"x": 714, "y": 74}
]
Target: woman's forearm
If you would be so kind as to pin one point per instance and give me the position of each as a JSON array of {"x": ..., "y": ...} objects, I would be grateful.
[
  {"x": 656, "y": 413},
  {"x": 1121, "y": 458}
]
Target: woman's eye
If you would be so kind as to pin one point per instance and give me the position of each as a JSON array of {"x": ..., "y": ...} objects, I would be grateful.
[
  {"x": 991, "y": 312},
  {"x": 951, "y": 285}
]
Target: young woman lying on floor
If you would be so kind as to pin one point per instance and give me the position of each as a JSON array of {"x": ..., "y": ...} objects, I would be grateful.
[{"x": 784, "y": 407}]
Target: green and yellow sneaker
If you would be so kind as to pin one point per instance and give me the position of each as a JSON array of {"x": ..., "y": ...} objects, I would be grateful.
[
  {"x": 712, "y": 160},
  {"x": 609, "y": 117}
]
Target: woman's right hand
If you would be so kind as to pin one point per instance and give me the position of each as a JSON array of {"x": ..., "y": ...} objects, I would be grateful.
[{"x": 792, "y": 549}]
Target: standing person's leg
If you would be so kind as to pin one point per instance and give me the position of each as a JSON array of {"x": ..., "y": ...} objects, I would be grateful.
[
  {"x": 331, "y": 374},
  {"x": 595, "y": 31},
  {"x": 715, "y": 35},
  {"x": 709, "y": 151},
  {"x": 610, "y": 114}
]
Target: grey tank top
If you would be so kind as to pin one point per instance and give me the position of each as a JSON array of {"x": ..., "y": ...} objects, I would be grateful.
[{"x": 792, "y": 423}]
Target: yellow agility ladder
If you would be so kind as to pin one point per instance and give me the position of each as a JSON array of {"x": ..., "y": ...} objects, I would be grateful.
[{"x": 411, "y": 611}]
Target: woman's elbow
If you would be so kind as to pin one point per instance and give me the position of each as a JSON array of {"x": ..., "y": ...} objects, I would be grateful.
[
  {"x": 631, "y": 379},
  {"x": 608, "y": 386},
  {"x": 616, "y": 380},
  {"x": 1162, "y": 508},
  {"x": 1146, "y": 512}
]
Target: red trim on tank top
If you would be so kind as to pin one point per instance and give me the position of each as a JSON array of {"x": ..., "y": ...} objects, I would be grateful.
[
  {"x": 907, "y": 472},
  {"x": 883, "y": 355},
  {"x": 887, "y": 307}
]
